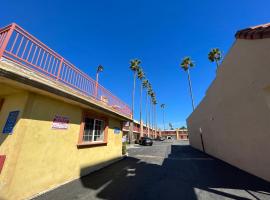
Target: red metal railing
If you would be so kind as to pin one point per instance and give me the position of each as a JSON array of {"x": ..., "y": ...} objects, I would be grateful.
[
  {"x": 136, "y": 128},
  {"x": 20, "y": 47}
]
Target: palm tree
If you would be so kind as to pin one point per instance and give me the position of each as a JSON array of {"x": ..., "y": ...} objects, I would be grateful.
[
  {"x": 134, "y": 65},
  {"x": 171, "y": 126},
  {"x": 186, "y": 64},
  {"x": 145, "y": 86},
  {"x": 215, "y": 56},
  {"x": 163, "y": 107},
  {"x": 141, "y": 76},
  {"x": 153, "y": 97},
  {"x": 155, "y": 116},
  {"x": 149, "y": 92}
]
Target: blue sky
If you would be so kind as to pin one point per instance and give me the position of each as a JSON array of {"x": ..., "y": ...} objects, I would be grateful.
[{"x": 159, "y": 33}]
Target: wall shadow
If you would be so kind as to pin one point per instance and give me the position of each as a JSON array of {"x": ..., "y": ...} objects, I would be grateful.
[
  {"x": 180, "y": 176},
  {"x": 3, "y": 137},
  {"x": 184, "y": 170}
]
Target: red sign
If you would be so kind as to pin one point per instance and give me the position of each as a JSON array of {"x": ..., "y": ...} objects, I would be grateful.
[
  {"x": 60, "y": 122},
  {"x": 2, "y": 161}
]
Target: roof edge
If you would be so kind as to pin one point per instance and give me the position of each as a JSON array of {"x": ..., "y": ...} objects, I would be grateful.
[{"x": 256, "y": 32}]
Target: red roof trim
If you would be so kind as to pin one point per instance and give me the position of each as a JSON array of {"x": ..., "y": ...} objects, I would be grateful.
[{"x": 255, "y": 32}]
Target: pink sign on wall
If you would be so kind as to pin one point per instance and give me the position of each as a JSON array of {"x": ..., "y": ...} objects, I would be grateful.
[{"x": 60, "y": 122}]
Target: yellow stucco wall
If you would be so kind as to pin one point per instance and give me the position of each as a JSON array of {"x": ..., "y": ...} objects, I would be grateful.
[
  {"x": 9, "y": 144},
  {"x": 46, "y": 157}
]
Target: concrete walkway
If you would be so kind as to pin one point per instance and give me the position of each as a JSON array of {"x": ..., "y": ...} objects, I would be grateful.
[{"x": 167, "y": 170}]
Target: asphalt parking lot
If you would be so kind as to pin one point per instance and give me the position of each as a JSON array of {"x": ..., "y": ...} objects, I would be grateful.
[{"x": 166, "y": 170}]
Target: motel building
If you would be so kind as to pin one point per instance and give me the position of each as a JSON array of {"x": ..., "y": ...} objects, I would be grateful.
[
  {"x": 148, "y": 131},
  {"x": 57, "y": 124},
  {"x": 176, "y": 134},
  {"x": 232, "y": 121}
]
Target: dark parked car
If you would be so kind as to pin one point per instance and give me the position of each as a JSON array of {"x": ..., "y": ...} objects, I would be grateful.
[{"x": 146, "y": 141}]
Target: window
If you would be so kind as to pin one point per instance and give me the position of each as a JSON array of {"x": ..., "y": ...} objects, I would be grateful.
[{"x": 93, "y": 130}]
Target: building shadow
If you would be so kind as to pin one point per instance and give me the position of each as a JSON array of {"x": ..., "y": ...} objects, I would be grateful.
[
  {"x": 185, "y": 174},
  {"x": 180, "y": 175},
  {"x": 3, "y": 137}
]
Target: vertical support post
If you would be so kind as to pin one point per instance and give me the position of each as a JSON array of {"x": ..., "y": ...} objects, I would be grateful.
[
  {"x": 202, "y": 142},
  {"x": 6, "y": 40},
  {"x": 201, "y": 136},
  {"x": 131, "y": 129},
  {"x": 59, "y": 69}
]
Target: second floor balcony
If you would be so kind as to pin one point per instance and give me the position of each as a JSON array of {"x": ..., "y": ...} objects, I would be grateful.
[{"x": 24, "y": 54}]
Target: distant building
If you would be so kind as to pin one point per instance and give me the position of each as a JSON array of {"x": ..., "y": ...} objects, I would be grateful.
[
  {"x": 147, "y": 130},
  {"x": 56, "y": 123},
  {"x": 232, "y": 121},
  {"x": 179, "y": 134}
]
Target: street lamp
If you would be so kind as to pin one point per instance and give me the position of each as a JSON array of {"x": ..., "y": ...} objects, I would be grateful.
[{"x": 99, "y": 69}]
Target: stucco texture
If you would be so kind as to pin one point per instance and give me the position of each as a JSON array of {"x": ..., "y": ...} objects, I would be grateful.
[
  {"x": 234, "y": 116},
  {"x": 39, "y": 157}
]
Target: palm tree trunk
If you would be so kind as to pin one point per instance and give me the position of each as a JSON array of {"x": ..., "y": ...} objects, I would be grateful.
[
  {"x": 217, "y": 63},
  {"x": 190, "y": 90},
  {"x": 155, "y": 120},
  {"x": 146, "y": 112},
  {"x": 149, "y": 116},
  {"x": 133, "y": 97},
  {"x": 163, "y": 119},
  {"x": 141, "y": 124},
  {"x": 133, "y": 93}
]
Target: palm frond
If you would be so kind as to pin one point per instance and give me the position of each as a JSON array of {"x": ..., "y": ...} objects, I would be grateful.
[
  {"x": 215, "y": 55},
  {"x": 187, "y": 63},
  {"x": 145, "y": 83},
  {"x": 135, "y": 64},
  {"x": 140, "y": 73}
]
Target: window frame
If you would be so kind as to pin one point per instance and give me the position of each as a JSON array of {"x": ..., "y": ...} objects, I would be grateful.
[{"x": 95, "y": 116}]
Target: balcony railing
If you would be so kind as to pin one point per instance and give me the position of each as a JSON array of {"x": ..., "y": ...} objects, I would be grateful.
[
  {"x": 22, "y": 48},
  {"x": 138, "y": 130}
]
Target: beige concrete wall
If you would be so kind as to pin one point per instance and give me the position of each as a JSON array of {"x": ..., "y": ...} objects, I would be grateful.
[
  {"x": 234, "y": 116},
  {"x": 39, "y": 157}
]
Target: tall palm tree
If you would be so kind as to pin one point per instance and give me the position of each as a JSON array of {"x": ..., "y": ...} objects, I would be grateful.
[
  {"x": 155, "y": 116},
  {"x": 134, "y": 65},
  {"x": 163, "y": 107},
  {"x": 149, "y": 92},
  {"x": 186, "y": 64},
  {"x": 153, "y": 97},
  {"x": 215, "y": 56},
  {"x": 141, "y": 76},
  {"x": 145, "y": 86}
]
